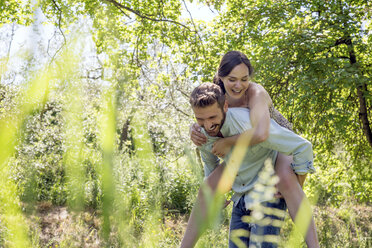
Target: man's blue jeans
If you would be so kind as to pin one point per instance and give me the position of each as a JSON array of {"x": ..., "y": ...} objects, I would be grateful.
[{"x": 254, "y": 229}]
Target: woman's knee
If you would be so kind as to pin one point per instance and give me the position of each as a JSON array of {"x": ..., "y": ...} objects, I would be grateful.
[{"x": 287, "y": 177}]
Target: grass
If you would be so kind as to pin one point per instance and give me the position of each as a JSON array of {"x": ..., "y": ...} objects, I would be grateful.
[{"x": 57, "y": 226}]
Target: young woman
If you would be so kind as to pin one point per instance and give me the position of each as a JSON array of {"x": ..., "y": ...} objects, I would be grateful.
[{"x": 234, "y": 77}]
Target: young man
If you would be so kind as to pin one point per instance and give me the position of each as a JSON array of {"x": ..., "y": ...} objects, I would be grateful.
[{"x": 212, "y": 114}]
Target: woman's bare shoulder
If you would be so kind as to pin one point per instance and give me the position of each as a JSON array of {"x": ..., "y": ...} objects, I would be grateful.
[
  {"x": 255, "y": 88},
  {"x": 257, "y": 92}
]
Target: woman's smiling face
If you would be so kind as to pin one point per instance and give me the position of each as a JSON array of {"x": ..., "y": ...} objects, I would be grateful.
[{"x": 237, "y": 82}]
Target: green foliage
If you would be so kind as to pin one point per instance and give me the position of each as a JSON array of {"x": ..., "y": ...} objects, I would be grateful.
[
  {"x": 340, "y": 180},
  {"x": 180, "y": 187},
  {"x": 37, "y": 165},
  {"x": 18, "y": 11}
]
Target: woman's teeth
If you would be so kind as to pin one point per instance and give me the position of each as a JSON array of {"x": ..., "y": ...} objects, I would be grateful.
[{"x": 236, "y": 91}]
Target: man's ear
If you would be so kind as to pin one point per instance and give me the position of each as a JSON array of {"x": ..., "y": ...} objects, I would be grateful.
[{"x": 225, "y": 107}]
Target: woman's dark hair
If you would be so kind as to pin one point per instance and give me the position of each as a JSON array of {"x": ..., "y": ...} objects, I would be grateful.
[{"x": 228, "y": 63}]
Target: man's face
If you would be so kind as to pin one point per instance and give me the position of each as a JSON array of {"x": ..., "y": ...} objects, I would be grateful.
[{"x": 211, "y": 118}]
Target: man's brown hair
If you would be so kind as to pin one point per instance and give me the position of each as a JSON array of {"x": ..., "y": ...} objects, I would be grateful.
[{"x": 206, "y": 95}]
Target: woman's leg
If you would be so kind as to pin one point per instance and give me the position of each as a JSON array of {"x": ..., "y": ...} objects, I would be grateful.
[
  {"x": 294, "y": 196},
  {"x": 198, "y": 213}
]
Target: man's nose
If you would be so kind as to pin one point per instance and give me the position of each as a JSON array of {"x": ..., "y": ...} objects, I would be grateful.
[{"x": 208, "y": 125}]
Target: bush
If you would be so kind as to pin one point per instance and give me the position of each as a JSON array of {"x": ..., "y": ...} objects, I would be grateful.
[
  {"x": 181, "y": 188},
  {"x": 339, "y": 179}
]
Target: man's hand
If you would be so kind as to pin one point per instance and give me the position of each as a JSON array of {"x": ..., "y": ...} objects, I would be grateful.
[{"x": 196, "y": 136}]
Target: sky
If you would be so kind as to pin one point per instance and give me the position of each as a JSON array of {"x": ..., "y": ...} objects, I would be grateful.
[{"x": 198, "y": 11}]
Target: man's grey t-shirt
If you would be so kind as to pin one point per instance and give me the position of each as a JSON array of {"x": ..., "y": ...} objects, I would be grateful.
[{"x": 280, "y": 139}]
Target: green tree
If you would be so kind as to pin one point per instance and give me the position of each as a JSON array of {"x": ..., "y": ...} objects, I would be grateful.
[{"x": 305, "y": 52}]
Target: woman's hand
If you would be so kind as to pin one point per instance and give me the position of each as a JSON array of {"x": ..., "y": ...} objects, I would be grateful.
[
  {"x": 221, "y": 147},
  {"x": 196, "y": 136}
]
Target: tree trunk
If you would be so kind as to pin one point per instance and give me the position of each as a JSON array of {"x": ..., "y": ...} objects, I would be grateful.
[
  {"x": 361, "y": 89},
  {"x": 125, "y": 129},
  {"x": 363, "y": 114}
]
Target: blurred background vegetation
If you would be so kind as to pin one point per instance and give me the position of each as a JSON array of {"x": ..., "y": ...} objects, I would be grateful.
[{"x": 94, "y": 113}]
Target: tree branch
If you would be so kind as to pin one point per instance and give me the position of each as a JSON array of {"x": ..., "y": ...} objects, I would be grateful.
[
  {"x": 346, "y": 41},
  {"x": 135, "y": 52},
  {"x": 60, "y": 30},
  {"x": 193, "y": 23},
  {"x": 10, "y": 44},
  {"x": 144, "y": 16},
  {"x": 173, "y": 103},
  {"x": 91, "y": 77}
]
